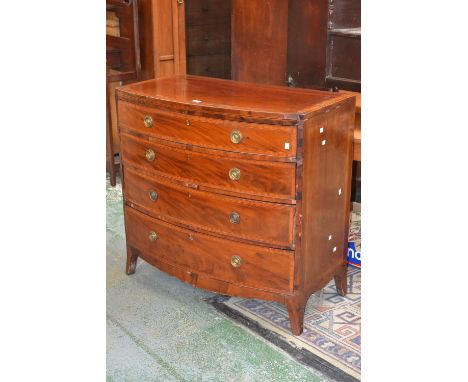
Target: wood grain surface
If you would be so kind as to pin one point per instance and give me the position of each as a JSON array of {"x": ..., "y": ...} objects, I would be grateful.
[
  {"x": 197, "y": 169},
  {"x": 268, "y": 223},
  {"x": 279, "y": 232},
  {"x": 261, "y": 267},
  {"x": 210, "y": 132}
]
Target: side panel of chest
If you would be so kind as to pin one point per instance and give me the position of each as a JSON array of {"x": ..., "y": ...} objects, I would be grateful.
[{"x": 328, "y": 141}]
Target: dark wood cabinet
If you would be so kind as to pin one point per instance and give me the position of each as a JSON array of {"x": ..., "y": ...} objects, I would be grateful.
[
  {"x": 259, "y": 41},
  {"x": 242, "y": 189},
  {"x": 344, "y": 45},
  {"x": 208, "y": 29},
  {"x": 162, "y": 37},
  {"x": 300, "y": 43},
  {"x": 145, "y": 39}
]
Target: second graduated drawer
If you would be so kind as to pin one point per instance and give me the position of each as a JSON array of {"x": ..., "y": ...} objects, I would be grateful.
[
  {"x": 251, "y": 179},
  {"x": 253, "y": 138},
  {"x": 268, "y": 223}
]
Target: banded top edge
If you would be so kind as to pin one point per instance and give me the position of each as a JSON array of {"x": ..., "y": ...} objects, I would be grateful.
[{"x": 218, "y": 95}]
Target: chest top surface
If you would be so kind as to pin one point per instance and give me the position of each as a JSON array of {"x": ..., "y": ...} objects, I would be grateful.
[{"x": 226, "y": 96}]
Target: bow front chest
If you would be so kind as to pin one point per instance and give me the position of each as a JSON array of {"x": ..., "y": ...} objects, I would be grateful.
[{"x": 238, "y": 188}]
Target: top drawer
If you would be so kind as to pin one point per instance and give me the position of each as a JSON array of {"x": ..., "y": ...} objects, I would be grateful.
[{"x": 253, "y": 138}]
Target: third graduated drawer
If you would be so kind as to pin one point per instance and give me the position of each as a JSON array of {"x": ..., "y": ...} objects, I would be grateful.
[
  {"x": 268, "y": 223},
  {"x": 272, "y": 141}
]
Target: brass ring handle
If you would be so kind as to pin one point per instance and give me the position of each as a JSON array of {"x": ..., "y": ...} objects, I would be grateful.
[
  {"x": 236, "y": 136},
  {"x": 234, "y": 173},
  {"x": 236, "y": 261},
  {"x": 152, "y": 236},
  {"x": 180, "y": 1},
  {"x": 150, "y": 155},
  {"x": 234, "y": 218},
  {"x": 148, "y": 121},
  {"x": 153, "y": 195}
]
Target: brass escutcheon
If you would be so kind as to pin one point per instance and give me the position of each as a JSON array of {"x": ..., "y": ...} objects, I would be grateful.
[
  {"x": 150, "y": 155},
  {"x": 152, "y": 236},
  {"x": 148, "y": 121},
  {"x": 180, "y": 1},
  {"x": 234, "y": 218},
  {"x": 236, "y": 136},
  {"x": 236, "y": 261},
  {"x": 234, "y": 173},
  {"x": 153, "y": 195}
]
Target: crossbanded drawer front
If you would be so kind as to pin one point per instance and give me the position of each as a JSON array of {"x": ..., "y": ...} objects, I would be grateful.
[
  {"x": 249, "y": 265},
  {"x": 205, "y": 170},
  {"x": 262, "y": 222},
  {"x": 275, "y": 141}
]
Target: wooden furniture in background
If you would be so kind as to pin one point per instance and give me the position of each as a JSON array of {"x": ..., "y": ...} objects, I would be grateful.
[
  {"x": 162, "y": 37},
  {"x": 300, "y": 43},
  {"x": 208, "y": 30},
  {"x": 122, "y": 65},
  {"x": 145, "y": 39},
  {"x": 112, "y": 136},
  {"x": 145, "y": 24},
  {"x": 356, "y": 180},
  {"x": 260, "y": 41},
  {"x": 357, "y": 128},
  {"x": 168, "y": 37},
  {"x": 280, "y": 42},
  {"x": 238, "y": 188},
  {"x": 344, "y": 45}
]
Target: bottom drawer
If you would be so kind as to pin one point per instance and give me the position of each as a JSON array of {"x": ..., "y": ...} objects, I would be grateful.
[{"x": 226, "y": 260}]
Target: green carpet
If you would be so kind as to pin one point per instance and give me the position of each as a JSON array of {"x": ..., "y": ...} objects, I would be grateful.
[{"x": 160, "y": 329}]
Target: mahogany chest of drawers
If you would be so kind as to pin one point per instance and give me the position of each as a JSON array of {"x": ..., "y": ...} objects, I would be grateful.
[{"x": 238, "y": 188}]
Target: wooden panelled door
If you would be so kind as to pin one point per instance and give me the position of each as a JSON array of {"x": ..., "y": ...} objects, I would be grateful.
[
  {"x": 169, "y": 37},
  {"x": 162, "y": 37}
]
